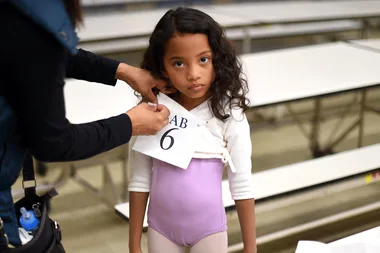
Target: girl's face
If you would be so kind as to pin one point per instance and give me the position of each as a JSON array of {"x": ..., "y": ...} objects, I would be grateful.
[{"x": 188, "y": 65}]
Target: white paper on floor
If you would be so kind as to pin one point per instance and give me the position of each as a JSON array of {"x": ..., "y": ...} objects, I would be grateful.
[{"x": 372, "y": 246}]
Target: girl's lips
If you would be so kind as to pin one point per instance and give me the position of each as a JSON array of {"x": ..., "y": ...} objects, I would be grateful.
[{"x": 196, "y": 87}]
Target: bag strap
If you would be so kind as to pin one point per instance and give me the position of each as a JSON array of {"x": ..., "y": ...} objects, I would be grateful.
[
  {"x": 28, "y": 176},
  {"x": 29, "y": 189}
]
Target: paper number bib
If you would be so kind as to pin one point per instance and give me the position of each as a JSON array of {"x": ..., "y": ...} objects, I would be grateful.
[{"x": 175, "y": 143}]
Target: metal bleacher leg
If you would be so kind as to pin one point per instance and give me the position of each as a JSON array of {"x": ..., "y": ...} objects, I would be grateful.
[
  {"x": 107, "y": 193},
  {"x": 246, "y": 41},
  {"x": 365, "y": 29},
  {"x": 315, "y": 129},
  {"x": 361, "y": 117},
  {"x": 358, "y": 123},
  {"x": 298, "y": 121}
]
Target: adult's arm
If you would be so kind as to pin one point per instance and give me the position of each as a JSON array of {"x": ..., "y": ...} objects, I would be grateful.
[
  {"x": 91, "y": 67},
  {"x": 33, "y": 67}
]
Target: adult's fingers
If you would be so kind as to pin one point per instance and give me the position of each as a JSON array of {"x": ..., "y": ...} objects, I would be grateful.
[
  {"x": 149, "y": 95},
  {"x": 152, "y": 106},
  {"x": 163, "y": 110}
]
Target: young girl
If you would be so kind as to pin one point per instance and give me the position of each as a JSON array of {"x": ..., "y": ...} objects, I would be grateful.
[{"x": 190, "y": 50}]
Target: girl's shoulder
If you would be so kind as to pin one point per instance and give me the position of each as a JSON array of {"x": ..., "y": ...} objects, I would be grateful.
[
  {"x": 237, "y": 119},
  {"x": 236, "y": 113}
]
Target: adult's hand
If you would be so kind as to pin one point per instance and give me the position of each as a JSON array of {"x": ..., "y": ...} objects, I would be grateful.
[
  {"x": 140, "y": 80},
  {"x": 148, "y": 120}
]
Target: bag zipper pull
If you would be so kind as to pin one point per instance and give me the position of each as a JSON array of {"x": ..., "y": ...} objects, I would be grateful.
[{"x": 36, "y": 210}]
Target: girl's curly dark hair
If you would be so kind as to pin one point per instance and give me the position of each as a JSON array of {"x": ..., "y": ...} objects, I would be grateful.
[{"x": 229, "y": 87}]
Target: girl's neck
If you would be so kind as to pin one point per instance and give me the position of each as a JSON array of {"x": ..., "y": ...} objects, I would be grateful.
[{"x": 190, "y": 103}]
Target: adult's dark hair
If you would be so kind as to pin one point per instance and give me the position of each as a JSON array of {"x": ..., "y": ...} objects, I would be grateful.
[
  {"x": 229, "y": 87},
  {"x": 74, "y": 8}
]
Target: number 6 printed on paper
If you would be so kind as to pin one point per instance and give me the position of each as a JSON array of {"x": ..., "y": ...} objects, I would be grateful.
[{"x": 166, "y": 134}]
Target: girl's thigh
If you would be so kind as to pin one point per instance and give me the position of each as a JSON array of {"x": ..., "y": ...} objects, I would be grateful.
[
  {"x": 215, "y": 243},
  {"x": 157, "y": 243}
]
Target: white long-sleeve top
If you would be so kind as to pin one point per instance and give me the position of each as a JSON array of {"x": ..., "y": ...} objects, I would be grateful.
[{"x": 229, "y": 140}]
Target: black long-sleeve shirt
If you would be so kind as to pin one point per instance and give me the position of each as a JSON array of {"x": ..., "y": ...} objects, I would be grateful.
[{"x": 33, "y": 66}]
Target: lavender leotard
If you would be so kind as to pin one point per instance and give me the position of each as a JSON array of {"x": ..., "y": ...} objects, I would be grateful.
[{"x": 186, "y": 205}]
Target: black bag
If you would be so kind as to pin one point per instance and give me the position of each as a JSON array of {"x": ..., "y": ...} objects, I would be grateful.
[{"x": 48, "y": 236}]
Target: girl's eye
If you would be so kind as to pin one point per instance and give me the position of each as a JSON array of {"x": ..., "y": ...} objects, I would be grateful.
[
  {"x": 178, "y": 64},
  {"x": 204, "y": 59}
]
